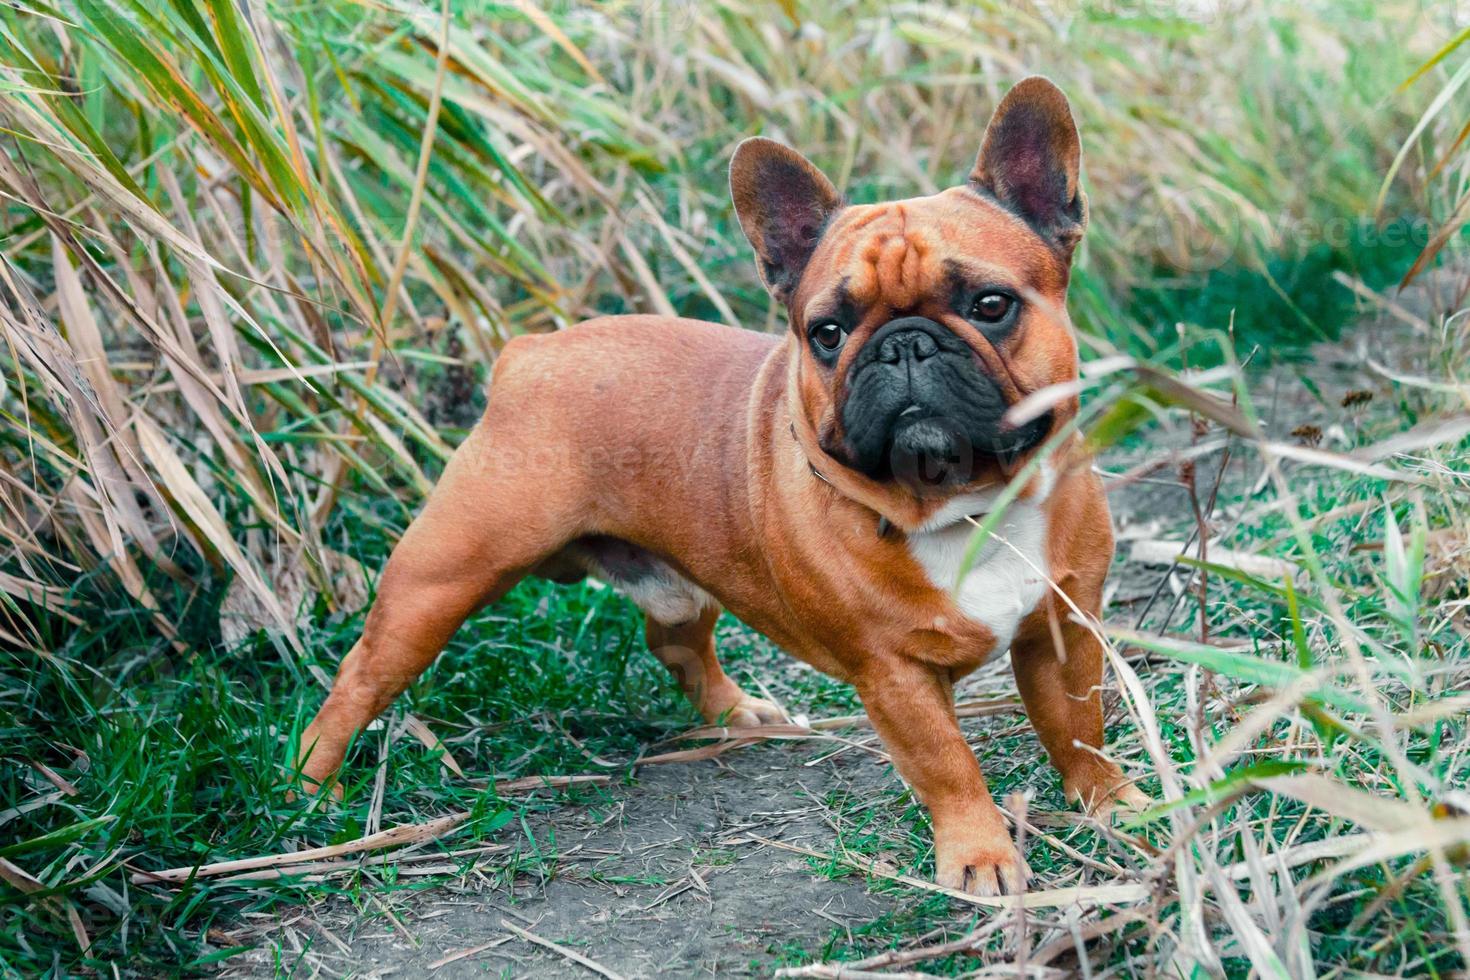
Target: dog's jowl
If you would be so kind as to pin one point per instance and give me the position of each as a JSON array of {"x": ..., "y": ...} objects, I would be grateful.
[{"x": 820, "y": 485}]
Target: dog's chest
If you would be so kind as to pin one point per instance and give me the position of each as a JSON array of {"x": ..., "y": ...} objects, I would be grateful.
[{"x": 1008, "y": 577}]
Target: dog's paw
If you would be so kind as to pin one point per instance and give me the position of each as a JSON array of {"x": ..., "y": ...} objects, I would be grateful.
[
  {"x": 749, "y": 712},
  {"x": 987, "y": 869},
  {"x": 1103, "y": 799}
]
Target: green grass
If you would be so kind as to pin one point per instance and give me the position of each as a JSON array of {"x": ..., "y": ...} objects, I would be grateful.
[{"x": 1283, "y": 301}]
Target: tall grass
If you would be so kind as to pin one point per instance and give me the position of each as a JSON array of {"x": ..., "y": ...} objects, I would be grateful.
[
  {"x": 240, "y": 260},
  {"x": 257, "y": 257}
]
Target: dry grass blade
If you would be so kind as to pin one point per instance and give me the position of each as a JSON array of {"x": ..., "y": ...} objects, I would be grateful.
[
  {"x": 393, "y": 837},
  {"x": 560, "y": 950},
  {"x": 529, "y": 784},
  {"x": 467, "y": 953},
  {"x": 1365, "y": 809},
  {"x": 1442, "y": 835},
  {"x": 727, "y": 739},
  {"x": 27, "y": 883},
  {"x": 701, "y": 754},
  {"x": 1118, "y": 894},
  {"x": 430, "y": 741},
  {"x": 886, "y": 961},
  {"x": 190, "y": 497},
  {"x": 406, "y": 865},
  {"x": 1426, "y": 435}
]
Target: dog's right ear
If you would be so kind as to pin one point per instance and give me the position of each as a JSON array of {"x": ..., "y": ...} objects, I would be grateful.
[
  {"x": 1031, "y": 162},
  {"x": 784, "y": 203}
]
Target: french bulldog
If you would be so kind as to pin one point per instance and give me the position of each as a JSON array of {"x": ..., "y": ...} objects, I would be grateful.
[{"x": 821, "y": 485}]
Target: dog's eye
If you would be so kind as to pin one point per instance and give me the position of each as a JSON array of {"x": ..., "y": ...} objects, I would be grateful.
[
  {"x": 828, "y": 335},
  {"x": 991, "y": 307}
]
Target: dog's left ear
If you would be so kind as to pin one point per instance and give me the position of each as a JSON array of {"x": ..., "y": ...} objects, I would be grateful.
[
  {"x": 784, "y": 203},
  {"x": 1031, "y": 159}
]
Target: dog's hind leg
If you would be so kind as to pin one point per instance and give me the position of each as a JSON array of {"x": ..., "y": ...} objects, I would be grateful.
[
  {"x": 688, "y": 651},
  {"x": 679, "y": 622},
  {"x": 472, "y": 542}
]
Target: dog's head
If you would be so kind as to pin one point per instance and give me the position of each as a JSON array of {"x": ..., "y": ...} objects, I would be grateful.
[{"x": 919, "y": 323}]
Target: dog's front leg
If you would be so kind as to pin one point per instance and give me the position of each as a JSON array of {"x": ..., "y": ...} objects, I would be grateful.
[
  {"x": 1058, "y": 665},
  {"x": 911, "y": 706}
]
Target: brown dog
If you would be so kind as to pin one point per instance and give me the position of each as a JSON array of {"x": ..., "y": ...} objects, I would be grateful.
[{"x": 816, "y": 485}]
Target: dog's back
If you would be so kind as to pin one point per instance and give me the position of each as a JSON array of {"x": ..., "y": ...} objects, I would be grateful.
[{"x": 639, "y": 407}]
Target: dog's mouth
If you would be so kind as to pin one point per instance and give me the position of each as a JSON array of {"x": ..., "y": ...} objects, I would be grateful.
[{"x": 935, "y": 450}]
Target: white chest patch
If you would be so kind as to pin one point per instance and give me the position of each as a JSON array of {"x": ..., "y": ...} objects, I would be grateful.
[{"x": 1008, "y": 577}]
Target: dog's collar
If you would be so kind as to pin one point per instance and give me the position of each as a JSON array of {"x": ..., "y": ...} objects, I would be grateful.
[{"x": 885, "y": 526}]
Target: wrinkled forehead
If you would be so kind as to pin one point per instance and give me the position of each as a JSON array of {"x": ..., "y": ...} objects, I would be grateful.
[{"x": 900, "y": 253}]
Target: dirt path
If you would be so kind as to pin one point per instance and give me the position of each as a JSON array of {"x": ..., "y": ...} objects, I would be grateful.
[
  {"x": 661, "y": 879},
  {"x": 663, "y": 876}
]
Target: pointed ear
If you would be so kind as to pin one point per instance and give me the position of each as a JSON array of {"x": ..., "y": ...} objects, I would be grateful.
[
  {"x": 1030, "y": 162},
  {"x": 783, "y": 203}
]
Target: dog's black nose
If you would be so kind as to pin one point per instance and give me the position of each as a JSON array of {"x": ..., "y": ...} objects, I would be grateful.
[
  {"x": 909, "y": 338},
  {"x": 913, "y": 345}
]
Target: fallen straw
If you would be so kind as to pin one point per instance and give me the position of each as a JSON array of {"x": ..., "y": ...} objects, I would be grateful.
[
  {"x": 558, "y": 948},
  {"x": 393, "y": 837}
]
